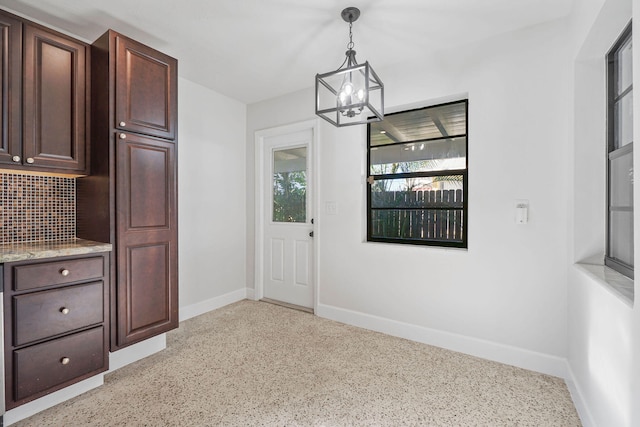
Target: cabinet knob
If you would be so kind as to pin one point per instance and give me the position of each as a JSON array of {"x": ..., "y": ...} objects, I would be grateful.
[
  {"x": 30, "y": 160},
  {"x": 16, "y": 159},
  {"x": 65, "y": 360},
  {"x": 123, "y": 136},
  {"x": 123, "y": 124},
  {"x": 64, "y": 310},
  {"x": 64, "y": 272}
]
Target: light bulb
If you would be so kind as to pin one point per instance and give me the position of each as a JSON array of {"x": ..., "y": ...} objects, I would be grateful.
[
  {"x": 360, "y": 94},
  {"x": 347, "y": 88}
]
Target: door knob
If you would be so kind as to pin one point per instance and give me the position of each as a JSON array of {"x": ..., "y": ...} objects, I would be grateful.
[{"x": 311, "y": 234}]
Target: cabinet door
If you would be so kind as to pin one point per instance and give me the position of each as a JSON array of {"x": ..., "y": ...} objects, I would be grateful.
[
  {"x": 55, "y": 94},
  {"x": 146, "y": 90},
  {"x": 10, "y": 87},
  {"x": 146, "y": 239}
]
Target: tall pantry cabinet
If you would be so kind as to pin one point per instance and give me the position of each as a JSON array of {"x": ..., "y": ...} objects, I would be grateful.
[{"x": 130, "y": 199}]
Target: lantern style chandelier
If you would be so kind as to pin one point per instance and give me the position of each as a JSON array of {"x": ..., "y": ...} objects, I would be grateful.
[{"x": 353, "y": 94}]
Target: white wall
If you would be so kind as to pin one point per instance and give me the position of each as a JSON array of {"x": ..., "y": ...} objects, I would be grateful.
[
  {"x": 504, "y": 297},
  {"x": 211, "y": 197},
  {"x": 604, "y": 342}
]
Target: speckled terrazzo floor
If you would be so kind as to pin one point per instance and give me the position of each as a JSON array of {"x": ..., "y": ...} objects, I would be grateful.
[{"x": 257, "y": 364}]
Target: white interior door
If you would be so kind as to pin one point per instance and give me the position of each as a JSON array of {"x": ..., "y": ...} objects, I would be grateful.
[{"x": 288, "y": 245}]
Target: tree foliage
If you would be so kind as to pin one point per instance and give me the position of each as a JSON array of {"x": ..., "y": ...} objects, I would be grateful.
[{"x": 289, "y": 196}]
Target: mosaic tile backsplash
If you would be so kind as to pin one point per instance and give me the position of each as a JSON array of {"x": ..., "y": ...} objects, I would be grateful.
[{"x": 37, "y": 208}]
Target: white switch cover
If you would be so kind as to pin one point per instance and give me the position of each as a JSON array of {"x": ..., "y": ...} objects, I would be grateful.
[
  {"x": 331, "y": 208},
  {"x": 522, "y": 211}
]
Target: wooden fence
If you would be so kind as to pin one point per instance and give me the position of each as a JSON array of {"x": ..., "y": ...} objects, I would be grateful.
[{"x": 436, "y": 214}]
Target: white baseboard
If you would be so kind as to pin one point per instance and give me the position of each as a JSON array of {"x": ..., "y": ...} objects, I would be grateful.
[
  {"x": 578, "y": 399},
  {"x": 53, "y": 399},
  {"x": 202, "y": 307},
  {"x": 137, "y": 351},
  {"x": 510, "y": 355},
  {"x": 251, "y": 294}
]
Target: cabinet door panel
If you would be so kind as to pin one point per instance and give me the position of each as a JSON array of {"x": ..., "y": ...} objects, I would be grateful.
[
  {"x": 146, "y": 90},
  {"x": 149, "y": 185},
  {"x": 10, "y": 87},
  {"x": 147, "y": 248},
  {"x": 55, "y": 100},
  {"x": 148, "y": 267}
]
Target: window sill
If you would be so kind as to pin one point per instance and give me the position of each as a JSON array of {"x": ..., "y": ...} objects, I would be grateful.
[{"x": 620, "y": 285}]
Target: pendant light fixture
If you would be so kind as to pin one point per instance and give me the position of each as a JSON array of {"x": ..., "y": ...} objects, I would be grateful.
[{"x": 353, "y": 94}]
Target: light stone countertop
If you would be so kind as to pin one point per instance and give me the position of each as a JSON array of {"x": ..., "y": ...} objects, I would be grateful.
[{"x": 12, "y": 252}]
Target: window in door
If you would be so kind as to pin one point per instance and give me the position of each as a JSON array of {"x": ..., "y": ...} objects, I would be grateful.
[{"x": 290, "y": 185}]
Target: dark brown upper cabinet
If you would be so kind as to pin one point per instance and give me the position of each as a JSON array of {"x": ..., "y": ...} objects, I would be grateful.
[
  {"x": 10, "y": 86},
  {"x": 130, "y": 199},
  {"x": 146, "y": 90},
  {"x": 45, "y": 93}
]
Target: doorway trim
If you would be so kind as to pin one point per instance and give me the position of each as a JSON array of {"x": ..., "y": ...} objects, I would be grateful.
[{"x": 259, "y": 208}]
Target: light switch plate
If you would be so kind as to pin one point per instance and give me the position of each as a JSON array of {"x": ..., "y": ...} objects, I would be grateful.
[{"x": 331, "y": 208}]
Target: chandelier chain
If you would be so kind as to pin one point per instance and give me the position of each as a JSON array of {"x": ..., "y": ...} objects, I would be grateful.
[{"x": 350, "y": 45}]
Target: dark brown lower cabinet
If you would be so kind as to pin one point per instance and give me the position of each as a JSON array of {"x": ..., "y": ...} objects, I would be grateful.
[
  {"x": 146, "y": 239},
  {"x": 56, "y": 314}
]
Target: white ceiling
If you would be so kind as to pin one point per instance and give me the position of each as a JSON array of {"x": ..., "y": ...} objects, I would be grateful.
[{"x": 252, "y": 50}]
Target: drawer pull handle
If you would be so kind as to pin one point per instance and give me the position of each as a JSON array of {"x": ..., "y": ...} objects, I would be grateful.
[
  {"x": 64, "y": 272},
  {"x": 65, "y": 360},
  {"x": 64, "y": 310}
]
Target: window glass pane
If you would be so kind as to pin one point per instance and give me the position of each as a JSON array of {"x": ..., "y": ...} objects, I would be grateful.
[
  {"x": 624, "y": 61},
  {"x": 442, "y": 154},
  {"x": 620, "y": 157},
  {"x": 422, "y": 154},
  {"x": 623, "y": 121},
  {"x": 418, "y": 224},
  {"x": 621, "y": 181},
  {"x": 426, "y": 123},
  {"x": 428, "y": 192},
  {"x": 290, "y": 185},
  {"x": 621, "y": 236}
]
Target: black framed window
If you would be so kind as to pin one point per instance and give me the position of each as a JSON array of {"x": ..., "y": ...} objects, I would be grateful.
[
  {"x": 417, "y": 176},
  {"x": 619, "y": 252}
]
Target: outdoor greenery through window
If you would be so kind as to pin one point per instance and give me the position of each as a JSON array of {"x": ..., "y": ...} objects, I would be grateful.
[
  {"x": 417, "y": 183},
  {"x": 290, "y": 185},
  {"x": 619, "y": 254}
]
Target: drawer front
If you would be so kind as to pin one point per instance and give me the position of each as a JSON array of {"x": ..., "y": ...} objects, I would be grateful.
[
  {"x": 41, "y": 274},
  {"x": 44, "y": 314},
  {"x": 40, "y": 367}
]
